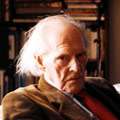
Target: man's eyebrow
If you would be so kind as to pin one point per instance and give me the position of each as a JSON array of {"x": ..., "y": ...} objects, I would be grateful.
[{"x": 62, "y": 55}]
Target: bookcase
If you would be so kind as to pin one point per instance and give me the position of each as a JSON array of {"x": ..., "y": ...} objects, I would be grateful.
[{"x": 17, "y": 16}]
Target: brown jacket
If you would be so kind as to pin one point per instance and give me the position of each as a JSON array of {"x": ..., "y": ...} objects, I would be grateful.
[{"x": 43, "y": 102}]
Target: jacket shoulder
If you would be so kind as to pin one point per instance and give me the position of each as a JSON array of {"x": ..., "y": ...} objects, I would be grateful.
[
  {"x": 103, "y": 90},
  {"x": 15, "y": 105},
  {"x": 99, "y": 82},
  {"x": 15, "y": 97}
]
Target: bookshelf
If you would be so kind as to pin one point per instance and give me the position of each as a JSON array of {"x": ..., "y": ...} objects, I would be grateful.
[{"x": 17, "y": 16}]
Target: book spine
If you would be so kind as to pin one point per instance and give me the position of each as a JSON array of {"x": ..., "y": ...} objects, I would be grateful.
[
  {"x": 2, "y": 84},
  {"x": 6, "y": 10},
  {"x": 11, "y": 42}
]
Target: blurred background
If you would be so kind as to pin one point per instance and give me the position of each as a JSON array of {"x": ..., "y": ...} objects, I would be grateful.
[{"x": 100, "y": 18}]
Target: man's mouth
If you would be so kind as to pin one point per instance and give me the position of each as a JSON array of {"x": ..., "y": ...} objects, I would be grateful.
[{"x": 73, "y": 79}]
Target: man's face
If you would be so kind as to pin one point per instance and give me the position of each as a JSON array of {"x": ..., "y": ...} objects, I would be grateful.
[{"x": 65, "y": 63}]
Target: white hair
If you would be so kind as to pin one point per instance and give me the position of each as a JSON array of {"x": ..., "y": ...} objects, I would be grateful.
[{"x": 35, "y": 45}]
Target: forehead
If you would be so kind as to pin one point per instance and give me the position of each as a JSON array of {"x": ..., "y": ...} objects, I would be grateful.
[
  {"x": 71, "y": 41},
  {"x": 63, "y": 35},
  {"x": 70, "y": 35}
]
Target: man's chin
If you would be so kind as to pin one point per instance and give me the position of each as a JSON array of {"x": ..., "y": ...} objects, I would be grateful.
[{"x": 73, "y": 88}]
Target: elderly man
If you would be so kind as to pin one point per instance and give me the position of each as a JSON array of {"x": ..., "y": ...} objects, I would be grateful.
[{"x": 56, "y": 52}]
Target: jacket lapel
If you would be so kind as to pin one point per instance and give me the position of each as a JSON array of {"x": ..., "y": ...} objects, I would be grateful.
[{"x": 62, "y": 103}]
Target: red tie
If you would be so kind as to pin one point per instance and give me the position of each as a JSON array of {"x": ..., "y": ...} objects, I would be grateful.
[{"x": 97, "y": 107}]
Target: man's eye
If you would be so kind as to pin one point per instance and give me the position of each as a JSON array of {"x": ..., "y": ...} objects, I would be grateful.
[{"x": 62, "y": 59}]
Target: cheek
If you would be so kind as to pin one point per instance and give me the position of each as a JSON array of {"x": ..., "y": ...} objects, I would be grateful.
[
  {"x": 59, "y": 70},
  {"x": 54, "y": 70},
  {"x": 62, "y": 72}
]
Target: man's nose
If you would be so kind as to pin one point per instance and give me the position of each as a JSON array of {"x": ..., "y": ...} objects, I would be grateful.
[{"x": 74, "y": 65}]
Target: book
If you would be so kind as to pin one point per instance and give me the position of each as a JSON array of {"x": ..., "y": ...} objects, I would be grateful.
[
  {"x": 11, "y": 43},
  {"x": 82, "y": 1},
  {"x": 92, "y": 45},
  {"x": 7, "y": 10},
  {"x": 1, "y": 84}
]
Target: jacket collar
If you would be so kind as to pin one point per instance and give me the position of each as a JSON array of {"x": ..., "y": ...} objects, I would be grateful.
[{"x": 62, "y": 102}]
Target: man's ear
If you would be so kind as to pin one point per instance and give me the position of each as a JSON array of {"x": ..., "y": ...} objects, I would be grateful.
[{"x": 39, "y": 62}]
